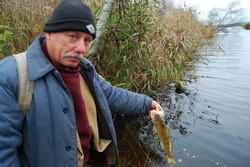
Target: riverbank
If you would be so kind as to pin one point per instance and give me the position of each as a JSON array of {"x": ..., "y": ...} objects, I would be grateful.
[
  {"x": 144, "y": 45},
  {"x": 208, "y": 125}
]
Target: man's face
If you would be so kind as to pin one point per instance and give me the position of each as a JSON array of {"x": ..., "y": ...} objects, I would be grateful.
[{"x": 66, "y": 48}]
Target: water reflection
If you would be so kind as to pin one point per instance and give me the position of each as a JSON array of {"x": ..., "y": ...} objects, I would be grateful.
[{"x": 209, "y": 123}]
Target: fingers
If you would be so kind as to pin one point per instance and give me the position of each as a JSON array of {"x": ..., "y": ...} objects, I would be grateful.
[{"x": 155, "y": 106}]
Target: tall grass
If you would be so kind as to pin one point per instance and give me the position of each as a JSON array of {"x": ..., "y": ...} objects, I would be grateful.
[
  {"x": 144, "y": 44},
  {"x": 24, "y": 19}
]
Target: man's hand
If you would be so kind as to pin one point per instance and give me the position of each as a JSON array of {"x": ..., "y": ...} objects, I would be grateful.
[{"x": 155, "y": 106}]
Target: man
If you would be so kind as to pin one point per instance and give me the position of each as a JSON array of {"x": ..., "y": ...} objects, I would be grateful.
[{"x": 69, "y": 123}]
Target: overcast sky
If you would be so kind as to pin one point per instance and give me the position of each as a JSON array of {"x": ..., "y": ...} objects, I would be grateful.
[{"x": 204, "y": 6}]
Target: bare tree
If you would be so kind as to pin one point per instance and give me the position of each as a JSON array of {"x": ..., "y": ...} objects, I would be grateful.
[
  {"x": 101, "y": 23},
  {"x": 230, "y": 15}
]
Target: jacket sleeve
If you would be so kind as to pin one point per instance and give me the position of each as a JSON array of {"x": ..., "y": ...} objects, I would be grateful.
[
  {"x": 10, "y": 124},
  {"x": 122, "y": 101}
]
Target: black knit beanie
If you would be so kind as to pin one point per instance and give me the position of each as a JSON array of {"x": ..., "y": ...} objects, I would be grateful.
[{"x": 71, "y": 15}]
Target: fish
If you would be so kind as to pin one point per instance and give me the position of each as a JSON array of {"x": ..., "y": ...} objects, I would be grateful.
[{"x": 162, "y": 131}]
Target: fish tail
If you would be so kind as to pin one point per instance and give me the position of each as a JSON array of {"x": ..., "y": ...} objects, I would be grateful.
[{"x": 171, "y": 160}]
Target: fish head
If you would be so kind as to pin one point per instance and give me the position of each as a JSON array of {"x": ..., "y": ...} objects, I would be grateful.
[{"x": 157, "y": 115}]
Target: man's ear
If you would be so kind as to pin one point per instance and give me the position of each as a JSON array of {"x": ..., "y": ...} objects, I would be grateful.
[{"x": 47, "y": 34}]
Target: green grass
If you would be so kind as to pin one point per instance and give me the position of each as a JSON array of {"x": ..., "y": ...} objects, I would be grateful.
[{"x": 141, "y": 49}]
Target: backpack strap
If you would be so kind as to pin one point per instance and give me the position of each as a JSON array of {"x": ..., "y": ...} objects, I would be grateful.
[{"x": 26, "y": 86}]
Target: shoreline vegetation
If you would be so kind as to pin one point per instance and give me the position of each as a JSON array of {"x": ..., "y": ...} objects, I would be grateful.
[
  {"x": 247, "y": 26},
  {"x": 146, "y": 42}
]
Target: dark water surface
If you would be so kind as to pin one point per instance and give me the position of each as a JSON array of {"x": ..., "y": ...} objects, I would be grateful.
[{"x": 209, "y": 125}]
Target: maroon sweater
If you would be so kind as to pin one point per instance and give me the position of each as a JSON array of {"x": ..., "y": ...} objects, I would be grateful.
[{"x": 71, "y": 78}]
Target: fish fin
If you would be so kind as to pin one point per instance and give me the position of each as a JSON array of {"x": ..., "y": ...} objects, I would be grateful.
[
  {"x": 170, "y": 145},
  {"x": 171, "y": 160},
  {"x": 154, "y": 129},
  {"x": 162, "y": 145}
]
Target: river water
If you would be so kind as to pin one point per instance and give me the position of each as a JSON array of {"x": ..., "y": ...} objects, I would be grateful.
[{"x": 210, "y": 122}]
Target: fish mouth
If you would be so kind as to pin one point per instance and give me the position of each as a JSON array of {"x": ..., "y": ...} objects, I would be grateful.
[{"x": 157, "y": 114}]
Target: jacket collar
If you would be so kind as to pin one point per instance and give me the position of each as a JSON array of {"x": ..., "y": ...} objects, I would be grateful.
[{"x": 38, "y": 64}]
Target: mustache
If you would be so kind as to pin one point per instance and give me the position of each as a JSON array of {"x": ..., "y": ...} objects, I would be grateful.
[{"x": 75, "y": 55}]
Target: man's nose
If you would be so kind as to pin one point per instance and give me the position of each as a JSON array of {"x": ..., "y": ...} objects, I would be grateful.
[{"x": 81, "y": 47}]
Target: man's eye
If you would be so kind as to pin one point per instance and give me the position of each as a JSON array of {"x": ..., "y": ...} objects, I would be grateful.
[
  {"x": 72, "y": 36},
  {"x": 87, "y": 40}
]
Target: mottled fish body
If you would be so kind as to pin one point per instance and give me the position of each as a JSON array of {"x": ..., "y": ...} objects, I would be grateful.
[{"x": 163, "y": 133}]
